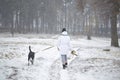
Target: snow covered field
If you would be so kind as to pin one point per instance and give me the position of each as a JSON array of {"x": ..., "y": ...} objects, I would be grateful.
[{"x": 92, "y": 62}]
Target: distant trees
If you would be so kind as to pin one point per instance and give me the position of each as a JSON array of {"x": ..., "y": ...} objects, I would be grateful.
[
  {"x": 103, "y": 16},
  {"x": 39, "y": 16},
  {"x": 85, "y": 17},
  {"x": 25, "y": 16}
]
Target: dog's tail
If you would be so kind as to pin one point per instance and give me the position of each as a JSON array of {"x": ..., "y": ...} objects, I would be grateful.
[{"x": 30, "y": 48}]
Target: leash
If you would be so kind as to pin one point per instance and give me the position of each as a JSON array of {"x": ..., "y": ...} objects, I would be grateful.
[{"x": 47, "y": 48}]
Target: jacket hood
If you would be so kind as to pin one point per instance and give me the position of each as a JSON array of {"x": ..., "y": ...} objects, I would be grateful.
[{"x": 64, "y": 33}]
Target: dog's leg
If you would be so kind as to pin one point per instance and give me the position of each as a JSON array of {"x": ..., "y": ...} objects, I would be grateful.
[
  {"x": 28, "y": 62},
  {"x": 32, "y": 61}
]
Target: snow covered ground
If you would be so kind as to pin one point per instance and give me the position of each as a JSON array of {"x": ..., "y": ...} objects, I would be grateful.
[{"x": 92, "y": 62}]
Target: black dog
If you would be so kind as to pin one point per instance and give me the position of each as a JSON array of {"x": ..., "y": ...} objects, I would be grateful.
[{"x": 31, "y": 56}]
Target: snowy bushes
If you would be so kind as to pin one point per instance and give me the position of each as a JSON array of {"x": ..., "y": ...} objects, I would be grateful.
[{"x": 9, "y": 55}]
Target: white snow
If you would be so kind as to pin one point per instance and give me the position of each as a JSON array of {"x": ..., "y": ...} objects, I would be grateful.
[{"x": 92, "y": 62}]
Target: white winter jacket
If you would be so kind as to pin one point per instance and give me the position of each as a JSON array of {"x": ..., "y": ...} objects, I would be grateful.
[{"x": 64, "y": 45}]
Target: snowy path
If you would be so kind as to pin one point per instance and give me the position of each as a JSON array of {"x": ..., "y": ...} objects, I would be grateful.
[
  {"x": 92, "y": 63},
  {"x": 57, "y": 73}
]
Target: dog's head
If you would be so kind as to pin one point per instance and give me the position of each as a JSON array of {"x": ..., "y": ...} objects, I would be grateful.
[{"x": 73, "y": 52}]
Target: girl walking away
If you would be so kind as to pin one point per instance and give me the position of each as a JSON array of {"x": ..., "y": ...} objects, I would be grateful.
[{"x": 64, "y": 47}]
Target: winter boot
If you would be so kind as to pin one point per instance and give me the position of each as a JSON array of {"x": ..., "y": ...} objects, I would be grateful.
[
  {"x": 66, "y": 63},
  {"x": 64, "y": 66}
]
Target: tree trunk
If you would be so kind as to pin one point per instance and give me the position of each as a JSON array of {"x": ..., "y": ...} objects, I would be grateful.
[
  {"x": 114, "y": 36},
  {"x": 89, "y": 27},
  {"x": 37, "y": 25}
]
